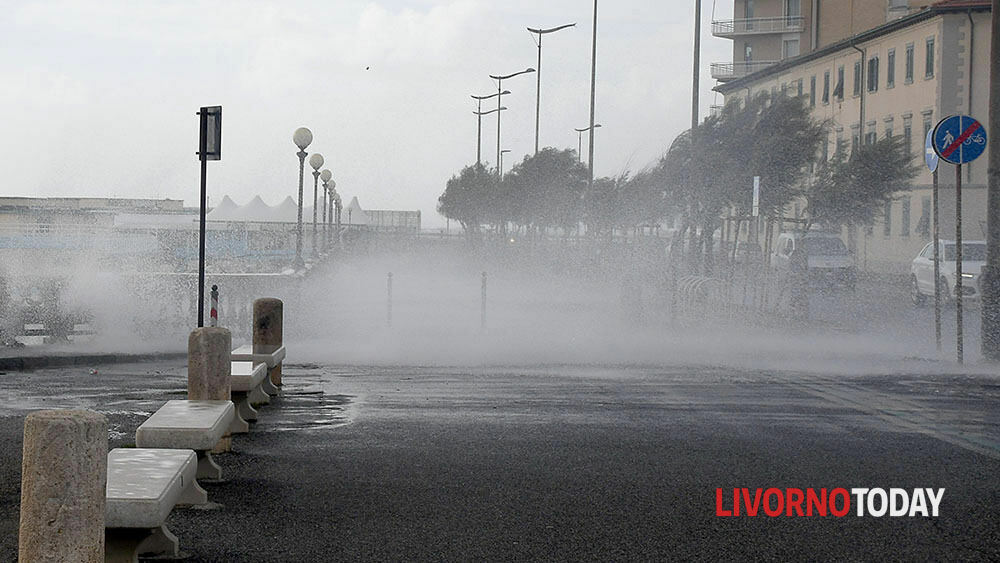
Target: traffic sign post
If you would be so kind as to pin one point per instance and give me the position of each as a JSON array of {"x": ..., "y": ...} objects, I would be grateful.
[
  {"x": 959, "y": 139},
  {"x": 931, "y": 159}
]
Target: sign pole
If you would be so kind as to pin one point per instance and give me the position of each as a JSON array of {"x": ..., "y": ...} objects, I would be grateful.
[
  {"x": 937, "y": 265},
  {"x": 958, "y": 261},
  {"x": 201, "y": 243},
  {"x": 209, "y": 148}
]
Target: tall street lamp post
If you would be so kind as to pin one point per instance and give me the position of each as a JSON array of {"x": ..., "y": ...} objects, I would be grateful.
[
  {"x": 538, "y": 85},
  {"x": 325, "y": 175},
  {"x": 479, "y": 125},
  {"x": 579, "y": 141},
  {"x": 593, "y": 96},
  {"x": 503, "y": 152},
  {"x": 333, "y": 197},
  {"x": 480, "y": 114},
  {"x": 500, "y": 78},
  {"x": 316, "y": 161},
  {"x": 302, "y": 137}
]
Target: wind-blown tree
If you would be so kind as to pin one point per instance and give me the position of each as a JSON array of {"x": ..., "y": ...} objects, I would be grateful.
[
  {"x": 852, "y": 190},
  {"x": 545, "y": 190},
  {"x": 467, "y": 197}
]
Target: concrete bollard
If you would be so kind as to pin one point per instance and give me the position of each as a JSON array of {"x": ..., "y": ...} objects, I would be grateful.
[
  {"x": 209, "y": 370},
  {"x": 267, "y": 331},
  {"x": 64, "y": 474}
]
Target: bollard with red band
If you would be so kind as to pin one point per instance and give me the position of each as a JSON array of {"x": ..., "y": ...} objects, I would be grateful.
[{"x": 214, "y": 311}]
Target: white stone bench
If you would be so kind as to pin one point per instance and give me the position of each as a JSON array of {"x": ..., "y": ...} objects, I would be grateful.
[
  {"x": 246, "y": 380},
  {"x": 245, "y": 354},
  {"x": 189, "y": 425},
  {"x": 143, "y": 487}
]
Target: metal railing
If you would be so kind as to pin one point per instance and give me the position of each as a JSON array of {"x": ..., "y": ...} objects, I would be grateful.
[
  {"x": 753, "y": 26},
  {"x": 732, "y": 71}
]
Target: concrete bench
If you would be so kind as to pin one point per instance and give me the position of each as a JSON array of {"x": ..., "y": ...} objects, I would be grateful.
[
  {"x": 143, "y": 487},
  {"x": 246, "y": 380},
  {"x": 189, "y": 425},
  {"x": 245, "y": 353}
]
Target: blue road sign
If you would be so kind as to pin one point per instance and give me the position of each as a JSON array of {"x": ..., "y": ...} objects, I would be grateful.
[
  {"x": 930, "y": 156},
  {"x": 959, "y": 139}
]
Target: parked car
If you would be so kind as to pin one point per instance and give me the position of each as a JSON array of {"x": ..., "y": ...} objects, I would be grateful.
[
  {"x": 829, "y": 262},
  {"x": 922, "y": 270}
]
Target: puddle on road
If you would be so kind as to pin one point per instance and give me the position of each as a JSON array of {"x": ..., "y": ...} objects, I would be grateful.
[{"x": 306, "y": 410}]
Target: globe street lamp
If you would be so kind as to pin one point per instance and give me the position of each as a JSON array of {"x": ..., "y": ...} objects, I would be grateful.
[
  {"x": 479, "y": 128},
  {"x": 538, "y": 85},
  {"x": 579, "y": 141},
  {"x": 316, "y": 161},
  {"x": 302, "y": 137},
  {"x": 500, "y": 78},
  {"x": 325, "y": 175}
]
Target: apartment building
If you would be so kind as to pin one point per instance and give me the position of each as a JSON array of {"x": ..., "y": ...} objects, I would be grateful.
[{"x": 916, "y": 65}]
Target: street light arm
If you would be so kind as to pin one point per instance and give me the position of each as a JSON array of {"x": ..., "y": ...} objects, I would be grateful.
[
  {"x": 493, "y": 95},
  {"x": 551, "y": 29},
  {"x": 505, "y": 77},
  {"x": 489, "y": 112}
]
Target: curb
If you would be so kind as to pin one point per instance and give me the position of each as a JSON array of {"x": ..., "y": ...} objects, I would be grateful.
[{"x": 30, "y": 363}]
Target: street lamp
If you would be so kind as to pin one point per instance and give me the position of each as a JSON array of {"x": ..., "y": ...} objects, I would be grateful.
[
  {"x": 579, "y": 141},
  {"x": 479, "y": 128},
  {"x": 479, "y": 115},
  {"x": 333, "y": 197},
  {"x": 302, "y": 137},
  {"x": 503, "y": 152},
  {"x": 316, "y": 161},
  {"x": 325, "y": 175},
  {"x": 500, "y": 78},
  {"x": 538, "y": 85}
]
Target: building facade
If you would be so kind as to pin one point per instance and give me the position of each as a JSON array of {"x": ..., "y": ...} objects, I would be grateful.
[{"x": 897, "y": 78}]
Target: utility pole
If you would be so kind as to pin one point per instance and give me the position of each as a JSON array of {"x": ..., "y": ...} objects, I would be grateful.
[
  {"x": 991, "y": 272},
  {"x": 593, "y": 97},
  {"x": 697, "y": 63}
]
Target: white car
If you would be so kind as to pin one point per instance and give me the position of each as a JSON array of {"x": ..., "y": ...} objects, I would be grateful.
[
  {"x": 922, "y": 270},
  {"x": 828, "y": 260}
]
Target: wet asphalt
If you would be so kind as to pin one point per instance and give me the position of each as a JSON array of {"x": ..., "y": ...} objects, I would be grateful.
[{"x": 559, "y": 463}]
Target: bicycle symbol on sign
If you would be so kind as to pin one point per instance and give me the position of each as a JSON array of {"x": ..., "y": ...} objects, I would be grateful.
[{"x": 978, "y": 139}]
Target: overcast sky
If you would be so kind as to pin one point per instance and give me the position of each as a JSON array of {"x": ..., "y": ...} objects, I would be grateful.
[{"x": 99, "y": 98}]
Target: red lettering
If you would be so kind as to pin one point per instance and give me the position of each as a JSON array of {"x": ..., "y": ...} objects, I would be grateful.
[
  {"x": 751, "y": 508},
  {"x": 795, "y": 498},
  {"x": 736, "y": 502},
  {"x": 813, "y": 501},
  {"x": 845, "y": 506},
  {"x": 718, "y": 505},
  {"x": 773, "y": 493}
]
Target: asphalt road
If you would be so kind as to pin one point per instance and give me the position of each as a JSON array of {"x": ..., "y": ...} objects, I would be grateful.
[{"x": 560, "y": 462}]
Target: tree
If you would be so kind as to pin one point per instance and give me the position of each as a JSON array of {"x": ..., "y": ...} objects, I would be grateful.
[
  {"x": 546, "y": 189},
  {"x": 466, "y": 198},
  {"x": 852, "y": 190}
]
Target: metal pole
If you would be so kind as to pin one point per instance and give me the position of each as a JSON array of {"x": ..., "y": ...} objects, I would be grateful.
[
  {"x": 958, "y": 260},
  {"x": 990, "y": 282},
  {"x": 326, "y": 191},
  {"x": 315, "y": 211},
  {"x": 499, "y": 84},
  {"x": 538, "y": 92},
  {"x": 937, "y": 265},
  {"x": 201, "y": 235},
  {"x": 482, "y": 311},
  {"x": 479, "y": 133},
  {"x": 593, "y": 96},
  {"x": 697, "y": 63},
  {"x": 388, "y": 302},
  {"x": 298, "y": 229},
  {"x": 214, "y": 312},
  {"x": 579, "y": 146}
]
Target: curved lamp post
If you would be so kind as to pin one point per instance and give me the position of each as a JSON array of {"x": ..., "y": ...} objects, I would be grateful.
[
  {"x": 316, "y": 161},
  {"x": 503, "y": 152},
  {"x": 325, "y": 175},
  {"x": 302, "y": 137},
  {"x": 579, "y": 141},
  {"x": 500, "y": 78},
  {"x": 538, "y": 85},
  {"x": 479, "y": 127}
]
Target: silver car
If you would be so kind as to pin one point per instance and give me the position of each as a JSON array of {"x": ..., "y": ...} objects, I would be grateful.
[{"x": 922, "y": 270}]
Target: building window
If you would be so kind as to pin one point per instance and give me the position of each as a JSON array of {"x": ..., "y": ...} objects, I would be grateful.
[
  {"x": 890, "y": 69},
  {"x": 789, "y": 48},
  {"x": 839, "y": 90},
  {"x": 924, "y": 223},
  {"x": 908, "y": 136},
  {"x": 873, "y": 74},
  {"x": 747, "y": 53},
  {"x": 793, "y": 8},
  {"x": 927, "y": 123},
  {"x": 909, "y": 64},
  {"x": 871, "y": 136},
  {"x": 812, "y": 91},
  {"x": 748, "y": 9},
  {"x": 888, "y": 129},
  {"x": 887, "y": 219},
  {"x": 826, "y": 150},
  {"x": 799, "y": 85},
  {"x": 904, "y": 218},
  {"x": 855, "y": 138},
  {"x": 826, "y": 87},
  {"x": 857, "y": 78},
  {"x": 929, "y": 66},
  {"x": 784, "y": 90}
]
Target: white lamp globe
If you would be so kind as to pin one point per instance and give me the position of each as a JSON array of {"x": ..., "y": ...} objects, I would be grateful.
[
  {"x": 325, "y": 175},
  {"x": 316, "y": 161},
  {"x": 302, "y": 137}
]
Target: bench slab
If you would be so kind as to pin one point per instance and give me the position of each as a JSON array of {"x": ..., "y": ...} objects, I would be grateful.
[
  {"x": 245, "y": 353},
  {"x": 189, "y": 425}
]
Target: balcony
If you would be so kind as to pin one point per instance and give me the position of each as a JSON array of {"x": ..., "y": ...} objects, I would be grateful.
[
  {"x": 731, "y": 71},
  {"x": 758, "y": 26}
]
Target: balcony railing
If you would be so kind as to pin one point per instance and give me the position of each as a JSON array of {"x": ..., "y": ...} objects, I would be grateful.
[
  {"x": 732, "y": 71},
  {"x": 754, "y": 26}
]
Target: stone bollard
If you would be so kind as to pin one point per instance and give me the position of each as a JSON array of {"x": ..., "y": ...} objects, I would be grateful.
[
  {"x": 267, "y": 331},
  {"x": 209, "y": 370},
  {"x": 64, "y": 473}
]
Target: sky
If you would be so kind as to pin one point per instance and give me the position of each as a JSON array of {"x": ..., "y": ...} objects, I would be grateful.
[{"x": 98, "y": 98}]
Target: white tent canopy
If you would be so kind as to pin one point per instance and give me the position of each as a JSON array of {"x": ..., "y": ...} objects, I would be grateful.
[{"x": 257, "y": 211}]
